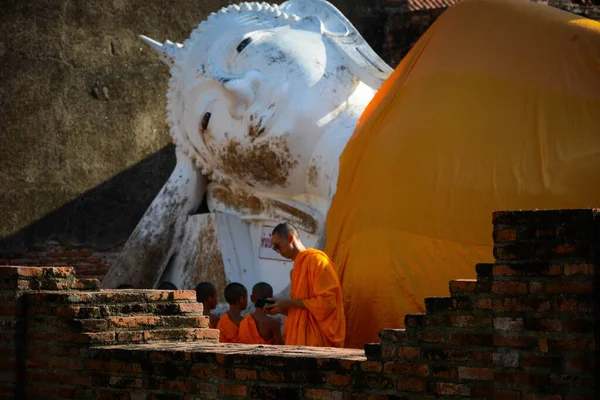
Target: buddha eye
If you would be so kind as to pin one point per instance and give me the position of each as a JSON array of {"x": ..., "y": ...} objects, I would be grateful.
[
  {"x": 205, "y": 121},
  {"x": 243, "y": 44}
]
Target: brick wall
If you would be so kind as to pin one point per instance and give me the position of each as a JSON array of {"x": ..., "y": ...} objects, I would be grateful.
[
  {"x": 524, "y": 329},
  {"x": 88, "y": 262},
  {"x": 49, "y": 321}
]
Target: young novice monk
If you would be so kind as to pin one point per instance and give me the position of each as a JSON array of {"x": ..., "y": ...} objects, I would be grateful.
[
  {"x": 259, "y": 328},
  {"x": 236, "y": 296},
  {"x": 207, "y": 295}
]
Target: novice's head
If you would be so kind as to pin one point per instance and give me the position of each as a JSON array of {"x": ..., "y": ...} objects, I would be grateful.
[
  {"x": 207, "y": 295},
  {"x": 261, "y": 290},
  {"x": 236, "y": 295}
]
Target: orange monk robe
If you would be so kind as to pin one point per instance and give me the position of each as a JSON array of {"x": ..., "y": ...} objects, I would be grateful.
[
  {"x": 496, "y": 107},
  {"x": 228, "y": 330},
  {"x": 249, "y": 332},
  {"x": 315, "y": 281}
]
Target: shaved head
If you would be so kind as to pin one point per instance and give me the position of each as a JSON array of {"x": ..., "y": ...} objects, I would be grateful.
[
  {"x": 234, "y": 292},
  {"x": 262, "y": 290},
  {"x": 204, "y": 290},
  {"x": 285, "y": 229}
]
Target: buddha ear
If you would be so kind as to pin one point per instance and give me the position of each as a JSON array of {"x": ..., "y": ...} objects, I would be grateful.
[{"x": 243, "y": 89}]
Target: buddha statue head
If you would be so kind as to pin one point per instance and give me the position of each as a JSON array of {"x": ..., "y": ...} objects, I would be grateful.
[{"x": 256, "y": 86}]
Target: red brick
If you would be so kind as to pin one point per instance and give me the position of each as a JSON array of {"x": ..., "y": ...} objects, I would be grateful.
[
  {"x": 409, "y": 353},
  {"x": 539, "y": 396},
  {"x": 571, "y": 344},
  {"x": 537, "y": 361},
  {"x": 28, "y": 271},
  {"x": 244, "y": 374},
  {"x": 181, "y": 386},
  {"x": 571, "y": 382},
  {"x": 484, "y": 304},
  {"x": 410, "y": 385},
  {"x": 233, "y": 390},
  {"x": 475, "y": 374},
  {"x": 468, "y": 286},
  {"x": 451, "y": 389},
  {"x": 536, "y": 287},
  {"x": 578, "y": 306},
  {"x": 570, "y": 287},
  {"x": 201, "y": 372},
  {"x": 506, "y": 395},
  {"x": 502, "y": 340},
  {"x": 133, "y": 322},
  {"x": 34, "y": 363},
  {"x": 271, "y": 376},
  {"x": 431, "y": 336},
  {"x": 516, "y": 304},
  {"x": 579, "y": 325},
  {"x": 543, "y": 345},
  {"x": 503, "y": 235},
  {"x": 121, "y": 381},
  {"x": 467, "y": 339},
  {"x": 443, "y": 372},
  {"x": 471, "y": 321},
  {"x": 580, "y": 365},
  {"x": 508, "y": 324},
  {"x": 543, "y": 324},
  {"x": 579, "y": 269},
  {"x": 59, "y": 272},
  {"x": 129, "y": 337},
  {"x": 33, "y": 390},
  {"x": 370, "y": 366},
  {"x": 509, "y": 287},
  {"x": 526, "y": 380},
  {"x": 206, "y": 388},
  {"x": 183, "y": 295},
  {"x": 338, "y": 380},
  {"x": 406, "y": 369},
  {"x": 509, "y": 359},
  {"x": 322, "y": 394},
  {"x": 484, "y": 391},
  {"x": 190, "y": 307}
]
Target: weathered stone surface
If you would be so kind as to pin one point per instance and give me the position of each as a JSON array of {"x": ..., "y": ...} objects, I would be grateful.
[{"x": 84, "y": 147}]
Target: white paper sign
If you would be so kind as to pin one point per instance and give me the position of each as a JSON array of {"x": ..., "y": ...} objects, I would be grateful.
[{"x": 266, "y": 251}]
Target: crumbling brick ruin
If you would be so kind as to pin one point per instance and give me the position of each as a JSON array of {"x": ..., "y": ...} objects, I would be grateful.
[{"x": 524, "y": 329}]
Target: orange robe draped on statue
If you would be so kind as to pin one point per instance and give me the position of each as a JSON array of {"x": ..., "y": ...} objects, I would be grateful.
[
  {"x": 496, "y": 107},
  {"x": 229, "y": 331},
  {"x": 315, "y": 281},
  {"x": 248, "y": 333}
]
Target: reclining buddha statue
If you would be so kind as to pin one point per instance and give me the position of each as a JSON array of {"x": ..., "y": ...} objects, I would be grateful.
[{"x": 284, "y": 113}]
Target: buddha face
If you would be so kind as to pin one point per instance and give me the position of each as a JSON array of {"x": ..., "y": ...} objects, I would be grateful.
[{"x": 253, "y": 99}]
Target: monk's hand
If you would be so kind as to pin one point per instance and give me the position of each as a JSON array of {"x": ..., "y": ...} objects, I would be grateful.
[{"x": 280, "y": 306}]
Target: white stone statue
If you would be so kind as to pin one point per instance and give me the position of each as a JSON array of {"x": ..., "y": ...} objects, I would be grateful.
[{"x": 261, "y": 103}]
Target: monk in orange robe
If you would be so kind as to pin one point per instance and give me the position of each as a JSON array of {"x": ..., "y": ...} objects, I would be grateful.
[
  {"x": 236, "y": 296},
  {"x": 258, "y": 327},
  {"x": 207, "y": 295},
  {"x": 315, "y": 312}
]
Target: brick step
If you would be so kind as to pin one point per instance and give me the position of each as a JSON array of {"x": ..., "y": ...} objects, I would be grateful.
[
  {"x": 109, "y": 297},
  {"x": 153, "y": 336},
  {"x": 143, "y": 322},
  {"x": 79, "y": 311},
  {"x": 469, "y": 286}
]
